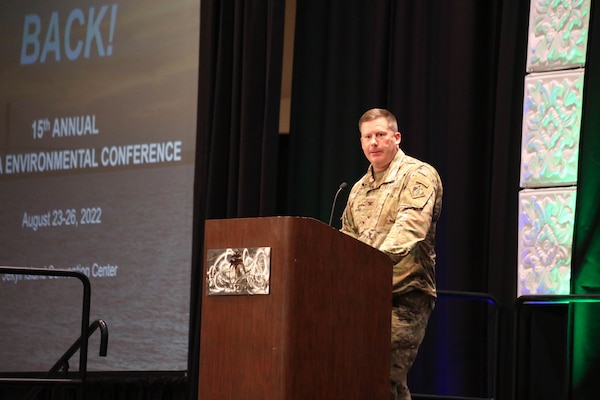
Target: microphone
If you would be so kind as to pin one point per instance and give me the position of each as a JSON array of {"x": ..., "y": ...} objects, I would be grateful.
[{"x": 342, "y": 186}]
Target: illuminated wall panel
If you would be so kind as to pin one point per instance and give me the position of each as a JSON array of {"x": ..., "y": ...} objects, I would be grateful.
[
  {"x": 551, "y": 125},
  {"x": 552, "y": 108},
  {"x": 558, "y": 32},
  {"x": 545, "y": 240}
]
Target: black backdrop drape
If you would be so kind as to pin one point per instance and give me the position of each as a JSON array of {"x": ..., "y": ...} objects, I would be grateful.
[
  {"x": 241, "y": 47},
  {"x": 453, "y": 74}
]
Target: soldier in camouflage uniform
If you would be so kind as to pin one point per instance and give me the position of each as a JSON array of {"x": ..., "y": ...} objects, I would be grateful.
[{"x": 394, "y": 207}]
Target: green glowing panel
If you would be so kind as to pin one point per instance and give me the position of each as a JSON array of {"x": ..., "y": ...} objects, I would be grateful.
[{"x": 546, "y": 218}]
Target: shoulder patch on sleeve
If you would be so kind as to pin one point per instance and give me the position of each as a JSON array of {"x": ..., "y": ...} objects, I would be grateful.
[{"x": 418, "y": 190}]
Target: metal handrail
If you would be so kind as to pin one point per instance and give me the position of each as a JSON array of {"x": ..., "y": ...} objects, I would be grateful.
[
  {"x": 491, "y": 300},
  {"x": 86, "y": 330},
  {"x": 64, "y": 360},
  {"x": 541, "y": 299},
  {"x": 77, "y": 344}
]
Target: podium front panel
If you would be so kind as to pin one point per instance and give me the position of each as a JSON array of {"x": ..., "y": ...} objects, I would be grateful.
[{"x": 321, "y": 332}]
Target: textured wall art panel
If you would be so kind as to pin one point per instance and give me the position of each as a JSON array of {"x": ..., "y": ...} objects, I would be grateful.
[
  {"x": 545, "y": 234},
  {"x": 558, "y": 33},
  {"x": 552, "y": 108}
]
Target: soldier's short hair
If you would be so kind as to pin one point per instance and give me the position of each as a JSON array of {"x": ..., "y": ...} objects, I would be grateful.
[{"x": 375, "y": 113}]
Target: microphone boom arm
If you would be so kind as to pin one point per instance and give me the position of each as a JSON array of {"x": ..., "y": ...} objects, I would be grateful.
[{"x": 342, "y": 186}]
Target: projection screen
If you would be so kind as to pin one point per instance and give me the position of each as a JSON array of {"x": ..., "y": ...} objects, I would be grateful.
[{"x": 98, "y": 104}]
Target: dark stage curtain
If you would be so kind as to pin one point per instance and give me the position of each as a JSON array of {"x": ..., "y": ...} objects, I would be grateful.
[
  {"x": 240, "y": 80},
  {"x": 585, "y": 278},
  {"x": 241, "y": 47},
  {"x": 452, "y": 72}
]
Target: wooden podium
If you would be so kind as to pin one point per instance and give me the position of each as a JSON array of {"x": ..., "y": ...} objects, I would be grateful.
[{"x": 321, "y": 332}]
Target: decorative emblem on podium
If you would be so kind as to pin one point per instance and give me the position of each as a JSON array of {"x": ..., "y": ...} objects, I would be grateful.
[{"x": 238, "y": 271}]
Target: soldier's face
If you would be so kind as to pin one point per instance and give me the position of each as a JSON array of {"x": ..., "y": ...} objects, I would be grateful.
[{"x": 379, "y": 143}]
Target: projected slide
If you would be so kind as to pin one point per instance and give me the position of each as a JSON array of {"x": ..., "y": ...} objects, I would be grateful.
[{"x": 98, "y": 103}]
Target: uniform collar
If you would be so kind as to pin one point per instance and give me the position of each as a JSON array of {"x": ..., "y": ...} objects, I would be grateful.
[{"x": 392, "y": 170}]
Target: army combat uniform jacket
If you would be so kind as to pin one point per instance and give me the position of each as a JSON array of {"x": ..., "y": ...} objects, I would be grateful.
[{"x": 397, "y": 214}]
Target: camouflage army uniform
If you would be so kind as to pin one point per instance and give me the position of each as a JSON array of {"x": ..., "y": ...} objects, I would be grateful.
[{"x": 396, "y": 211}]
